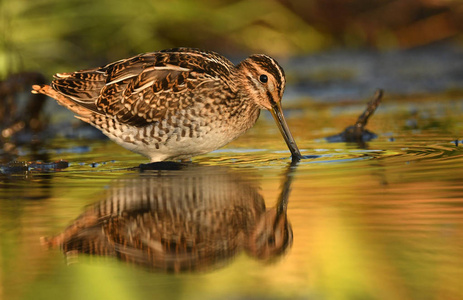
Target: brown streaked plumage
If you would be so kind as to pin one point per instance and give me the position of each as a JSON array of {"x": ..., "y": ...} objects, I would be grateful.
[{"x": 176, "y": 103}]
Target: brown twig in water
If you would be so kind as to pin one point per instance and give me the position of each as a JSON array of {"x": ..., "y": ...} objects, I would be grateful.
[
  {"x": 357, "y": 132},
  {"x": 371, "y": 108}
]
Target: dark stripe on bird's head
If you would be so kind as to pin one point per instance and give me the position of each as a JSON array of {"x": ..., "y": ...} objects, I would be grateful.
[
  {"x": 271, "y": 99},
  {"x": 252, "y": 82},
  {"x": 271, "y": 66}
]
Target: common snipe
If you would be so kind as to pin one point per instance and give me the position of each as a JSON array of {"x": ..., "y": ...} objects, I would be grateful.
[{"x": 176, "y": 103}]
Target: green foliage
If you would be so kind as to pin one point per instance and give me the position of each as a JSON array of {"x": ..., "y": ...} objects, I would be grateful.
[{"x": 56, "y": 36}]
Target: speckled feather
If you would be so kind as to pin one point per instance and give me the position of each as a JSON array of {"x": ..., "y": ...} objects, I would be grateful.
[{"x": 171, "y": 104}]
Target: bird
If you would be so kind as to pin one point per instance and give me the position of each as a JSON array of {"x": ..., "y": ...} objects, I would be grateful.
[{"x": 176, "y": 103}]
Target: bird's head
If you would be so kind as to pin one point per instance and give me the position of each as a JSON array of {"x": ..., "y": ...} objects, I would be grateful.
[{"x": 264, "y": 81}]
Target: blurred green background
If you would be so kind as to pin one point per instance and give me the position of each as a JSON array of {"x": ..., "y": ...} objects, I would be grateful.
[{"x": 56, "y": 36}]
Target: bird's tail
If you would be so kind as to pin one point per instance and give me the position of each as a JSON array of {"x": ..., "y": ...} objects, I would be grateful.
[{"x": 81, "y": 112}]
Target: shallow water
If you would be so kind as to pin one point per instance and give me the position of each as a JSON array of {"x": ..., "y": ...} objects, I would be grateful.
[{"x": 383, "y": 220}]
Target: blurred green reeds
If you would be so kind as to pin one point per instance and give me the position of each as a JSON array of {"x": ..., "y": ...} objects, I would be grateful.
[{"x": 55, "y": 36}]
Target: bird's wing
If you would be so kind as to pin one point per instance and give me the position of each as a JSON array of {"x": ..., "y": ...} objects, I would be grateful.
[{"x": 143, "y": 89}]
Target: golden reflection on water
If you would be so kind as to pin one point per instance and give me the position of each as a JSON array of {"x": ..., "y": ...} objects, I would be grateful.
[
  {"x": 194, "y": 218},
  {"x": 392, "y": 225},
  {"x": 379, "y": 222}
]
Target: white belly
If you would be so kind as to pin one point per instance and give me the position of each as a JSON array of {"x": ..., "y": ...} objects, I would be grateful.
[{"x": 178, "y": 143}]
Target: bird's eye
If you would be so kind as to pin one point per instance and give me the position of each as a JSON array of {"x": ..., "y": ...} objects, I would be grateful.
[{"x": 263, "y": 78}]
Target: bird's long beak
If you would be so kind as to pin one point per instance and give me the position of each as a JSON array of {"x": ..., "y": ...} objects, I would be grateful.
[{"x": 277, "y": 114}]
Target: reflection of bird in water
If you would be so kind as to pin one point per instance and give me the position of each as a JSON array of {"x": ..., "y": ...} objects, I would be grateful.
[{"x": 190, "y": 219}]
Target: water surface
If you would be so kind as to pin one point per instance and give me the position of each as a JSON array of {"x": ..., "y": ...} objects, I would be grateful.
[{"x": 382, "y": 220}]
